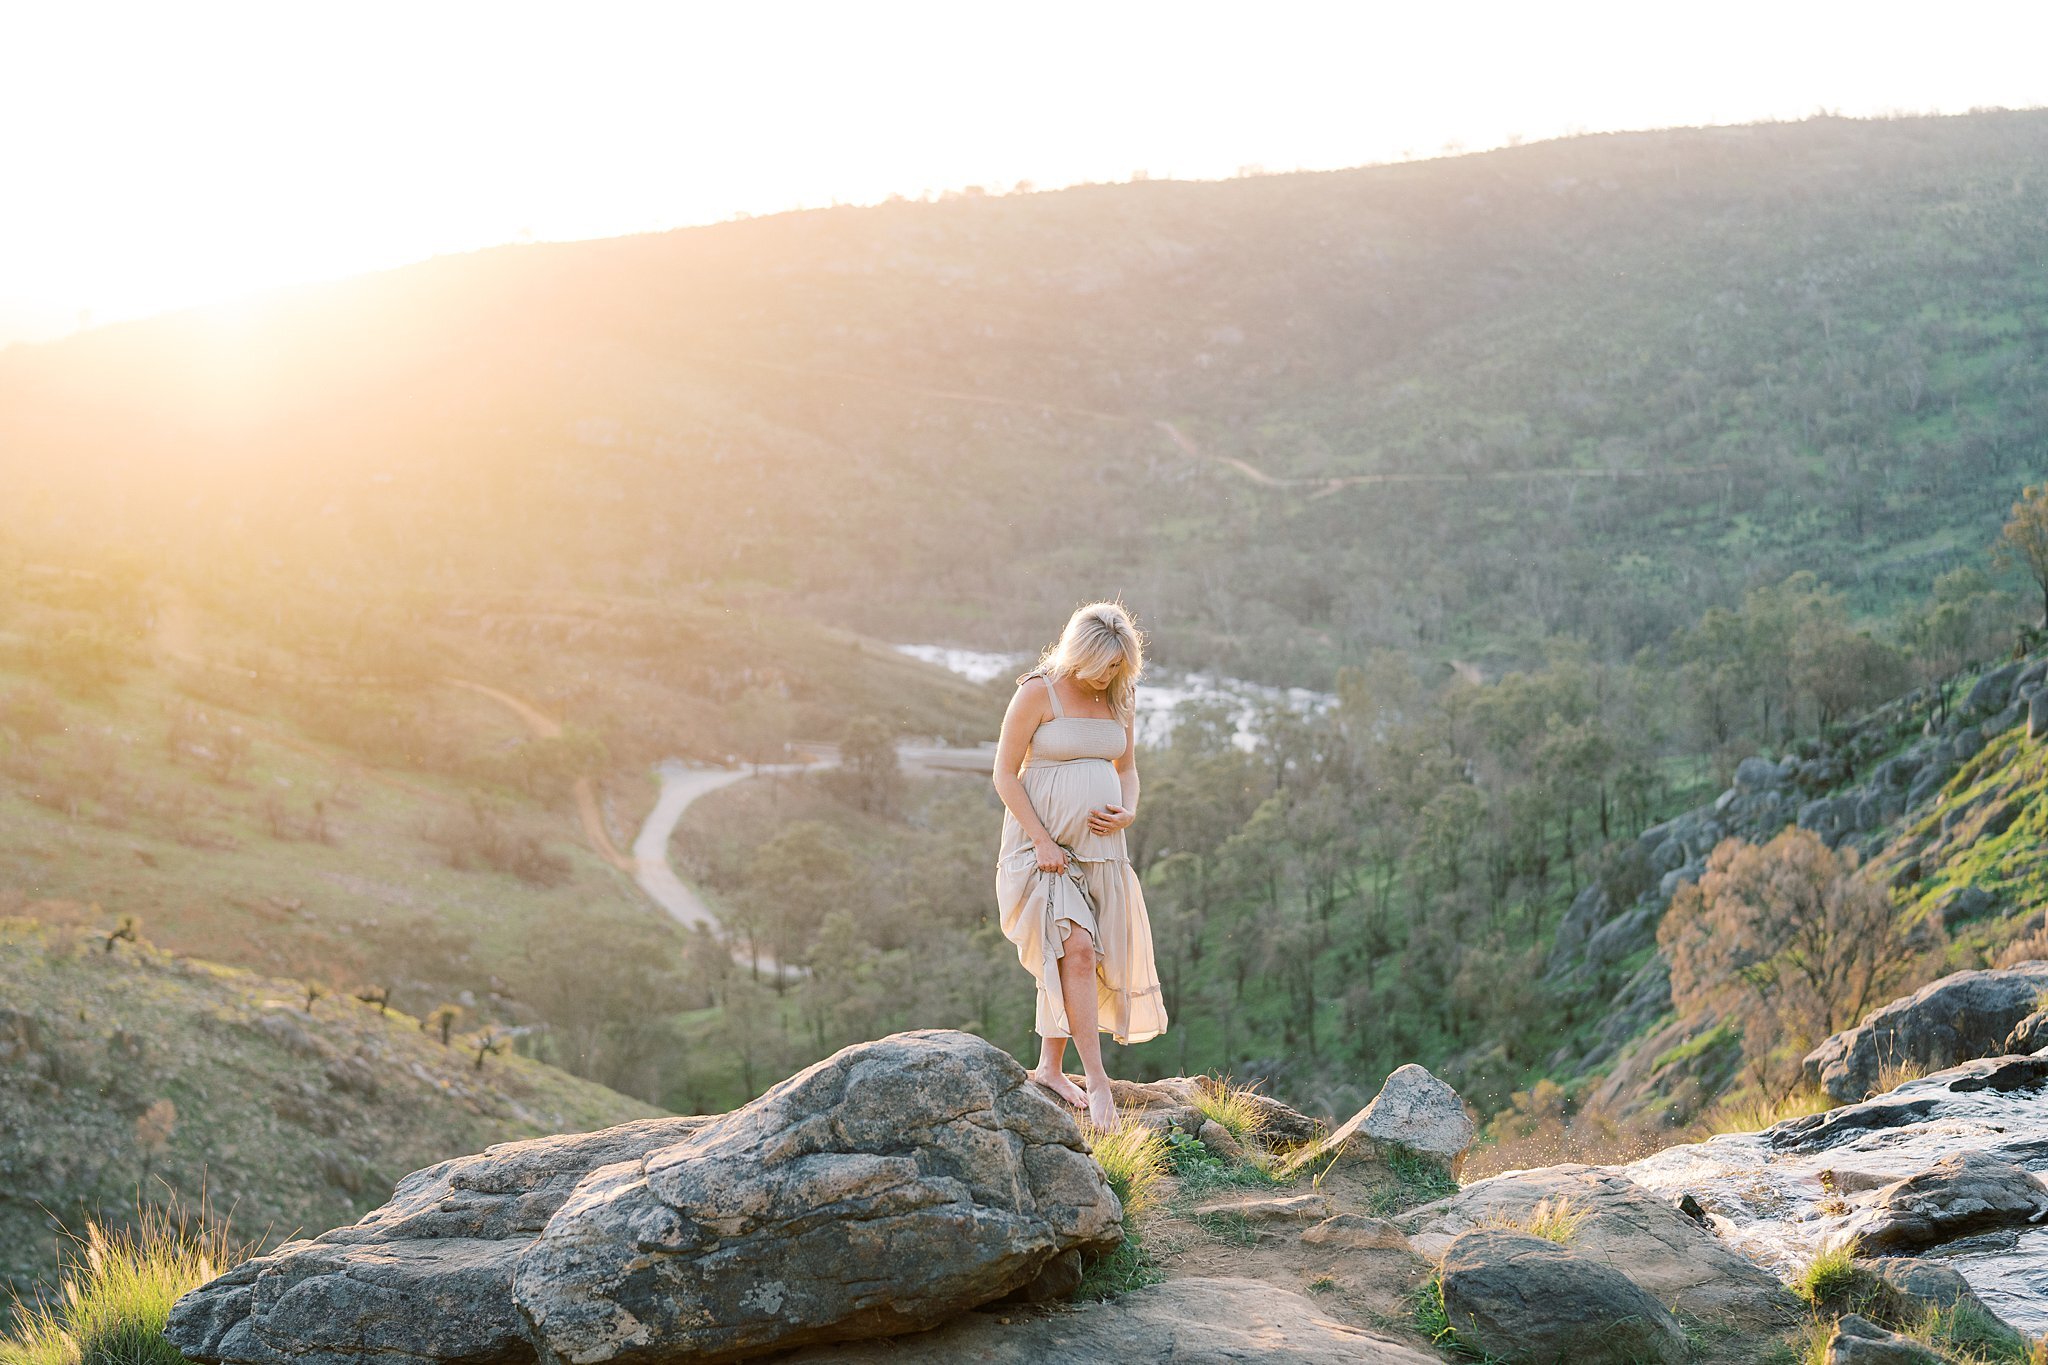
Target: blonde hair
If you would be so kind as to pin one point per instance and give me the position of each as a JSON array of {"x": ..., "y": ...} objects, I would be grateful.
[{"x": 1100, "y": 638}]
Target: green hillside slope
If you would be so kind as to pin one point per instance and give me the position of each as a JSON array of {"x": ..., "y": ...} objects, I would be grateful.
[{"x": 128, "y": 1074}]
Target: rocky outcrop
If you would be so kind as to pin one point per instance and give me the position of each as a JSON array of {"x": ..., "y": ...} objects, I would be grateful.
[
  {"x": 1967, "y": 1193},
  {"x": 1181, "y": 1322},
  {"x": 1414, "y": 1110},
  {"x": 1517, "y": 1298},
  {"x": 880, "y": 1191},
  {"x": 1624, "y": 1227},
  {"x": 1962, "y": 1016},
  {"x": 2029, "y": 1035},
  {"x": 1859, "y": 1341},
  {"x": 1924, "y": 1284}
]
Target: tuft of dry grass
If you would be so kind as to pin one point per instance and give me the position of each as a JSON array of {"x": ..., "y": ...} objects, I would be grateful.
[
  {"x": 1755, "y": 1114},
  {"x": 1554, "y": 1220},
  {"x": 1133, "y": 1157},
  {"x": 1235, "y": 1107},
  {"x": 115, "y": 1292}
]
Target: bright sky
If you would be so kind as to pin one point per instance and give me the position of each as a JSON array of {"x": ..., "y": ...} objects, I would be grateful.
[{"x": 162, "y": 154}]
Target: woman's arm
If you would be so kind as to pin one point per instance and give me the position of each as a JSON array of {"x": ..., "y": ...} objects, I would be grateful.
[
  {"x": 1025, "y": 711},
  {"x": 1109, "y": 821}
]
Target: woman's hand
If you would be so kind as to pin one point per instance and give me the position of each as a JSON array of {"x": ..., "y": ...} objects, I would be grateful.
[
  {"x": 1110, "y": 819},
  {"x": 1051, "y": 857}
]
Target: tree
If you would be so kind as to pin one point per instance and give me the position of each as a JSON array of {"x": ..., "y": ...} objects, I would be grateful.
[
  {"x": 1787, "y": 941},
  {"x": 442, "y": 1020},
  {"x": 868, "y": 749},
  {"x": 2024, "y": 541}
]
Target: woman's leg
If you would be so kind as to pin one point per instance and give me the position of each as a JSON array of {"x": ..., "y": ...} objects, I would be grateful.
[{"x": 1077, "y": 984}]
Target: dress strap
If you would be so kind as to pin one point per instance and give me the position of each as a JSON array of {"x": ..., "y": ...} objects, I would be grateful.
[{"x": 1052, "y": 692}]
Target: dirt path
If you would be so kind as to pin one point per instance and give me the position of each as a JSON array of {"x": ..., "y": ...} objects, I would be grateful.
[{"x": 544, "y": 726}]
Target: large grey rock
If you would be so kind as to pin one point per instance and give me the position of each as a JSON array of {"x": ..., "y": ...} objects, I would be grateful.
[
  {"x": 1859, "y": 1341},
  {"x": 1992, "y": 691},
  {"x": 1590, "y": 909},
  {"x": 1627, "y": 1228},
  {"x": 1930, "y": 780},
  {"x": 2037, "y": 716},
  {"x": 1616, "y": 940},
  {"x": 1756, "y": 774},
  {"x": 1967, "y": 1193},
  {"x": 1523, "y": 1300},
  {"x": 1927, "y": 1284},
  {"x": 1961, "y": 1016},
  {"x": 879, "y": 1191},
  {"x": 1414, "y": 1110},
  {"x": 1182, "y": 1322},
  {"x": 2029, "y": 1035}
]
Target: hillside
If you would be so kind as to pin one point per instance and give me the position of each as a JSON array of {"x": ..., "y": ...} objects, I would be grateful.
[
  {"x": 1586, "y": 387},
  {"x": 1899, "y": 847},
  {"x": 131, "y": 1074}
]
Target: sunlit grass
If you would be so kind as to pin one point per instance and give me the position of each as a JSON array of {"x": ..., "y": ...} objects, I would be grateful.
[
  {"x": 1134, "y": 1160},
  {"x": 1232, "y": 1107},
  {"x": 115, "y": 1292},
  {"x": 1755, "y": 1114},
  {"x": 1554, "y": 1220},
  {"x": 1830, "y": 1277}
]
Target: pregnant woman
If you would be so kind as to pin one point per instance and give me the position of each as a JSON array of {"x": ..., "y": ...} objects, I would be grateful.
[{"x": 1067, "y": 772}]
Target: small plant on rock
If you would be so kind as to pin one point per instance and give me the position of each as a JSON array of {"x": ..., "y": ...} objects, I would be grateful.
[
  {"x": 315, "y": 992},
  {"x": 380, "y": 996}
]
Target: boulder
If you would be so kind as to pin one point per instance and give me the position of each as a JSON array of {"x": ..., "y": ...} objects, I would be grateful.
[
  {"x": 1357, "y": 1232},
  {"x": 1755, "y": 774},
  {"x": 1963, "y": 904},
  {"x": 1414, "y": 1110},
  {"x": 1930, "y": 780},
  {"x": 1625, "y": 1227},
  {"x": 1967, "y": 1193},
  {"x": 1590, "y": 909},
  {"x": 1963, "y": 1015},
  {"x": 1517, "y": 1298},
  {"x": 1859, "y": 1341},
  {"x": 1181, "y": 1322},
  {"x": 1992, "y": 691},
  {"x": 2029, "y": 1035},
  {"x": 880, "y": 1191},
  {"x": 1617, "y": 940},
  {"x": 2037, "y": 716},
  {"x": 1312, "y": 1207},
  {"x": 1927, "y": 1284}
]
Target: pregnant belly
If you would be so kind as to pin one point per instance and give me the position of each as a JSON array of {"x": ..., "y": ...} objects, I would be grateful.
[{"x": 1063, "y": 794}]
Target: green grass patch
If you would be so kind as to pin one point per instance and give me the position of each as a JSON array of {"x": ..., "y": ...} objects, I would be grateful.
[
  {"x": 1831, "y": 1277},
  {"x": 1699, "y": 1045},
  {"x": 1415, "y": 1180}
]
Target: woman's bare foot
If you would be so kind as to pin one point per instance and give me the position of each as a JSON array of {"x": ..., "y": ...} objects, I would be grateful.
[
  {"x": 1057, "y": 1082},
  {"x": 1102, "y": 1109}
]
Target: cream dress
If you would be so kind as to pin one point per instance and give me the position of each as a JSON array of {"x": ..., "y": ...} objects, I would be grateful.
[{"x": 1068, "y": 771}]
